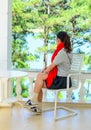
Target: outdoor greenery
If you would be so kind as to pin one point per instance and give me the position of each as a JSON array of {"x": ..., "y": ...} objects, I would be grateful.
[{"x": 47, "y": 17}]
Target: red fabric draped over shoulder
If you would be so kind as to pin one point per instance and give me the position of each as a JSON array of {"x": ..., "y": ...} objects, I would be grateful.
[{"x": 53, "y": 73}]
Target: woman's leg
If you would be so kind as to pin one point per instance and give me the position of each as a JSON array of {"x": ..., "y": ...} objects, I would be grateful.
[
  {"x": 41, "y": 93},
  {"x": 37, "y": 94}
]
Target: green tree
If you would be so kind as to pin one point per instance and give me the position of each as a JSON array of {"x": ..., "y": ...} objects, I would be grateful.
[
  {"x": 79, "y": 18},
  {"x": 20, "y": 28}
]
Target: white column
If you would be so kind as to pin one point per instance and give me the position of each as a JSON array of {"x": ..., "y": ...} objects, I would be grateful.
[
  {"x": 5, "y": 42},
  {"x": 5, "y": 34}
]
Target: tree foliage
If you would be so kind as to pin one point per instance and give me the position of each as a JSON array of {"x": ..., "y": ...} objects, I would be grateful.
[
  {"x": 47, "y": 17},
  {"x": 21, "y": 55}
]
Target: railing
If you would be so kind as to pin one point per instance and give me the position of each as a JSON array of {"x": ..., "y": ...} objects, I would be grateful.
[
  {"x": 85, "y": 90},
  {"x": 6, "y": 86},
  {"x": 85, "y": 85},
  {"x": 84, "y": 93}
]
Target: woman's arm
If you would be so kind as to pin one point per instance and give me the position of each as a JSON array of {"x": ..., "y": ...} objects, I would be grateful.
[{"x": 49, "y": 68}]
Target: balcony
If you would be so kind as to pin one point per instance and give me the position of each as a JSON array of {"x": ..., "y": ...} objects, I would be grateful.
[{"x": 82, "y": 93}]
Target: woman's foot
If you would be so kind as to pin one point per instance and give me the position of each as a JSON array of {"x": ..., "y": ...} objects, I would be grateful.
[
  {"x": 35, "y": 110},
  {"x": 30, "y": 104}
]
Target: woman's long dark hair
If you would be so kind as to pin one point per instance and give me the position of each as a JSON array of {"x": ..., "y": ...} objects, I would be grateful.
[{"x": 64, "y": 37}]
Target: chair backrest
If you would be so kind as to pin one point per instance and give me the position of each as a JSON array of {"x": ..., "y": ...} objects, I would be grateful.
[
  {"x": 76, "y": 65},
  {"x": 77, "y": 60}
]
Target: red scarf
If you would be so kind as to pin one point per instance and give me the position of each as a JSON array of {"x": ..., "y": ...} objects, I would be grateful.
[{"x": 53, "y": 73}]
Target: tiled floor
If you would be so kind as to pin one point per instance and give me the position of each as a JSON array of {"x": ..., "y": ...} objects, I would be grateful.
[{"x": 22, "y": 119}]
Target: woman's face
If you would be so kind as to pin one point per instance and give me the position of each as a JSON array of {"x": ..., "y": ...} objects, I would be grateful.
[{"x": 58, "y": 41}]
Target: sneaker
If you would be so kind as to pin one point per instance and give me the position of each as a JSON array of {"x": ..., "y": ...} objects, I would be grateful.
[
  {"x": 29, "y": 103},
  {"x": 35, "y": 110}
]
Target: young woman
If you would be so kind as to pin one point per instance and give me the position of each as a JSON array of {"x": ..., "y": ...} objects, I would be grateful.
[{"x": 55, "y": 75}]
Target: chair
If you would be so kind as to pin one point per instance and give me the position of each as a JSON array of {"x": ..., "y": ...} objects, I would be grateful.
[
  {"x": 75, "y": 70},
  {"x": 75, "y": 73}
]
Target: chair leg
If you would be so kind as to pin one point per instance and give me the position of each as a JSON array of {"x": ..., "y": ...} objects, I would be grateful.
[
  {"x": 44, "y": 94},
  {"x": 55, "y": 105},
  {"x": 71, "y": 112}
]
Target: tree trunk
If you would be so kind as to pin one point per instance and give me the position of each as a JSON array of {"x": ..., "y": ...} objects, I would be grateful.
[
  {"x": 73, "y": 21},
  {"x": 47, "y": 11},
  {"x": 45, "y": 44}
]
